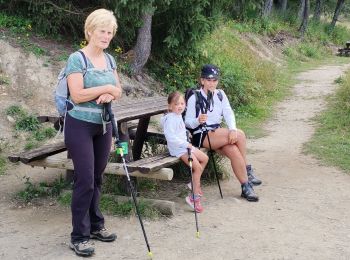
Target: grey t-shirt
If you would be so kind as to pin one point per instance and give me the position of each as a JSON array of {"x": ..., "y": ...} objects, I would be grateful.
[{"x": 93, "y": 78}]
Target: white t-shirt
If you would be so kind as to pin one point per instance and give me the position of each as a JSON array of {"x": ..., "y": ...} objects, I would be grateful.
[
  {"x": 220, "y": 109},
  {"x": 175, "y": 133}
]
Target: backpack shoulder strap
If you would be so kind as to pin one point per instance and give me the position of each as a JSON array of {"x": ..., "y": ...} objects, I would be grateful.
[
  {"x": 199, "y": 102},
  {"x": 111, "y": 63},
  {"x": 220, "y": 95},
  {"x": 83, "y": 61}
]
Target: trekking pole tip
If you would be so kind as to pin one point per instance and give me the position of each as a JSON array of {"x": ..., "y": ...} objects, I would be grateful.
[
  {"x": 197, "y": 234},
  {"x": 150, "y": 254}
]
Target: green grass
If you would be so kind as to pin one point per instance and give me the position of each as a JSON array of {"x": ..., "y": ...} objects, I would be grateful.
[
  {"x": 37, "y": 133},
  {"x": 43, "y": 189},
  {"x": 2, "y": 165},
  {"x": 331, "y": 141},
  {"x": 109, "y": 204},
  {"x": 4, "y": 80}
]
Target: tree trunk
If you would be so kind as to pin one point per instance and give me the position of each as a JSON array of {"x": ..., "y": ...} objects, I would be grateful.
[
  {"x": 267, "y": 8},
  {"x": 301, "y": 9},
  {"x": 284, "y": 5},
  {"x": 143, "y": 44},
  {"x": 338, "y": 8},
  {"x": 303, "y": 26},
  {"x": 317, "y": 13}
]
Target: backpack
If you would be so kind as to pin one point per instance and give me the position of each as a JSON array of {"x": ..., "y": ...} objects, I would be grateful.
[{"x": 61, "y": 92}]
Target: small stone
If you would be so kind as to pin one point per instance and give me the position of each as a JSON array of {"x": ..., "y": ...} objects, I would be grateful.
[{"x": 11, "y": 119}]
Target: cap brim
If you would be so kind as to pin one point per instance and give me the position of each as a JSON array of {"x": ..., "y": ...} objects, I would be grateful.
[{"x": 210, "y": 77}]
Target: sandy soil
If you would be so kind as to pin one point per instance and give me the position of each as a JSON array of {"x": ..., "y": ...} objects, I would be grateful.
[{"x": 303, "y": 212}]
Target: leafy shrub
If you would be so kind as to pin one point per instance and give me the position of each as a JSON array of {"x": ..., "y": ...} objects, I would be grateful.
[{"x": 27, "y": 123}]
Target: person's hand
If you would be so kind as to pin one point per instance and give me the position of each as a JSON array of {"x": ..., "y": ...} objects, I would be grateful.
[
  {"x": 202, "y": 118},
  {"x": 116, "y": 92},
  {"x": 104, "y": 98},
  {"x": 189, "y": 146},
  {"x": 232, "y": 136}
]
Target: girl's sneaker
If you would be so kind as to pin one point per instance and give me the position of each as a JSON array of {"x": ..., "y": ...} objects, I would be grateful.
[
  {"x": 200, "y": 193},
  {"x": 190, "y": 202}
]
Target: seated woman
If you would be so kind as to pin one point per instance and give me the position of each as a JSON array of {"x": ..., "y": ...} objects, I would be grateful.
[{"x": 204, "y": 116}]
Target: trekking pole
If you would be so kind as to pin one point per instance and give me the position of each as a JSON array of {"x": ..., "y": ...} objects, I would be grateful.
[
  {"x": 190, "y": 160},
  {"x": 119, "y": 149},
  {"x": 213, "y": 161},
  {"x": 204, "y": 128}
]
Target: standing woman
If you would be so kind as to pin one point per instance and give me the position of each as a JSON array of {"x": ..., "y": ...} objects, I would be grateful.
[
  {"x": 88, "y": 137},
  {"x": 230, "y": 142}
]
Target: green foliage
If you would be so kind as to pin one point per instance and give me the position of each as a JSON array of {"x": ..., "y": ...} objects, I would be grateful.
[
  {"x": 111, "y": 184},
  {"x": 147, "y": 185},
  {"x": 109, "y": 204},
  {"x": 27, "y": 123},
  {"x": 15, "y": 111},
  {"x": 305, "y": 51},
  {"x": 15, "y": 23},
  {"x": 331, "y": 142},
  {"x": 44, "y": 133},
  {"x": 42, "y": 189},
  {"x": 4, "y": 80},
  {"x": 245, "y": 77},
  {"x": 2, "y": 165},
  {"x": 46, "y": 17}
]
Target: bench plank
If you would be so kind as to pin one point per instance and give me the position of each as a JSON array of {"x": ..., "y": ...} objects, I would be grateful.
[
  {"x": 112, "y": 168},
  {"x": 38, "y": 153}
]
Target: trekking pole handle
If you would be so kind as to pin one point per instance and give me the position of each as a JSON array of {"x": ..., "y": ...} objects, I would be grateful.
[{"x": 108, "y": 107}]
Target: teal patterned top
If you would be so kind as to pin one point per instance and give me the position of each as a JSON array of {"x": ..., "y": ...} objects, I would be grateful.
[{"x": 93, "y": 78}]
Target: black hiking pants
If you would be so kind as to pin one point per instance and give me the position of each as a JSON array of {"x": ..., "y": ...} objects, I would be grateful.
[{"x": 89, "y": 149}]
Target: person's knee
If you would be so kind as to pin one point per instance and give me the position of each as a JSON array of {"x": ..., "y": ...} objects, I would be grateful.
[
  {"x": 205, "y": 159},
  {"x": 231, "y": 151},
  {"x": 241, "y": 134},
  {"x": 197, "y": 169}
]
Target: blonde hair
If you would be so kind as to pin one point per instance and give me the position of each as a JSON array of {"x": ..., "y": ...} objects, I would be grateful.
[{"x": 98, "y": 18}]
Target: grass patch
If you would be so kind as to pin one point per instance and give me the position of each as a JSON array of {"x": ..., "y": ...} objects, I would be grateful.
[
  {"x": 29, "y": 123},
  {"x": 2, "y": 165},
  {"x": 331, "y": 141},
  {"x": 4, "y": 80},
  {"x": 109, "y": 204},
  {"x": 43, "y": 189}
]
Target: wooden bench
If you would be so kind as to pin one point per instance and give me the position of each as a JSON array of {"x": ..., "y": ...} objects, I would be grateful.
[{"x": 51, "y": 156}]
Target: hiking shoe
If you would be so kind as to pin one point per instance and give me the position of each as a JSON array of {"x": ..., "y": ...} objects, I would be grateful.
[
  {"x": 200, "y": 193},
  {"x": 248, "y": 192},
  {"x": 197, "y": 200},
  {"x": 83, "y": 248},
  {"x": 251, "y": 176},
  {"x": 103, "y": 235}
]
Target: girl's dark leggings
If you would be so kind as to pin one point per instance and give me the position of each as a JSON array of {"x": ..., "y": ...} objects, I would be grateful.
[{"x": 89, "y": 149}]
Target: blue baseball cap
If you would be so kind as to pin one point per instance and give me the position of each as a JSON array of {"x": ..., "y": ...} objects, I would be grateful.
[{"x": 210, "y": 71}]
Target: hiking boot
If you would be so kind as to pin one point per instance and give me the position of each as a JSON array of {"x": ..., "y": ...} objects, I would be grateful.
[
  {"x": 83, "y": 248},
  {"x": 251, "y": 176},
  {"x": 197, "y": 200},
  {"x": 103, "y": 235},
  {"x": 248, "y": 192},
  {"x": 200, "y": 193}
]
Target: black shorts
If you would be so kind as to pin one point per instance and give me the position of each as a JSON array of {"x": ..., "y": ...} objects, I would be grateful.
[{"x": 197, "y": 138}]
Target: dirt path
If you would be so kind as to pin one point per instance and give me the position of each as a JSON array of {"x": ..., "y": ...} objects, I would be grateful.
[{"x": 303, "y": 212}]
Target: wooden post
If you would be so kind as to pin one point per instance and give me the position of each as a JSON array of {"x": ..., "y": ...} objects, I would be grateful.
[{"x": 140, "y": 137}]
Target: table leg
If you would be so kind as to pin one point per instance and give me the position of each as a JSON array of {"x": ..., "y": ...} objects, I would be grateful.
[{"x": 140, "y": 137}]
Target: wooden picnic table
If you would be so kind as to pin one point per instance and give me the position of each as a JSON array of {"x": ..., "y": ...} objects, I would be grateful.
[{"x": 124, "y": 111}]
